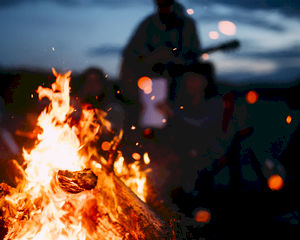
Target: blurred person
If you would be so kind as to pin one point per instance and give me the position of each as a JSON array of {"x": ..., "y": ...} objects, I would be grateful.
[
  {"x": 96, "y": 90},
  {"x": 196, "y": 122},
  {"x": 162, "y": 43}
]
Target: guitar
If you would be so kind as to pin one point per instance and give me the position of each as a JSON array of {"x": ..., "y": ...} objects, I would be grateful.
[
  {"x": 151, "y": 117},
  {"x": 230, "y": 45}
]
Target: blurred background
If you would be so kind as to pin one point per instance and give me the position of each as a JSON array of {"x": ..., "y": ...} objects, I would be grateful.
[
  {"x": 75, "y": 34},
  {"x": 263, "y": 73}
]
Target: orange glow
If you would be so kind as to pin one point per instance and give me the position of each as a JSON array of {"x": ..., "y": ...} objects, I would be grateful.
[
  {"x": 227, "y": 28},
  {"x": 181, "y": 107},
  {"x": 164, "y": 120},
  {"x": 190, "y": 11},
  {"x": 146, "y": 158},
  {"x": 52, "y": 213},
  {"x": 288, "y": 119},
  {"x": 136, "y": 156},
  {"x": 213, "y": 35},
  {"x": 133, "y": 127},
  {"x": 152, "y": 98},
  {"x": 147, "y": 131},
  {"x": 275, "y": 182},
  {"x": 205, "y": 56},
  {"x": 202, "y": 216},
  {"x": 145, "y": 84},
  {"x": 105, "y": 146},
  {"x": 252, "y": 97}
]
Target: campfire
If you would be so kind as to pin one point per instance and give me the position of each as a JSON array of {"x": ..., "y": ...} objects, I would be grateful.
[{"x": 66, "y": 190}]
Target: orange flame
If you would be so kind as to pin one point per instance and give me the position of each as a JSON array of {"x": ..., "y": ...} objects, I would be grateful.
[{"x": 53, "y": 213}]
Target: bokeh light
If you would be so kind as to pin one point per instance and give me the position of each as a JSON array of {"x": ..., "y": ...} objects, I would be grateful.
[
  {"x": 145, "y": 84},
  {"x": 205, "y": 56},
  {"x": 105, "y": 146},
  {"x": 288, "y": 119},
  {"x": 202, "y": 216},
  {"x": 227, "y": 28},
  {"x": 275, "y": 182},
  {"x": 252, "y": 97},
  {"x": 213, "y": 35},
  {"x": 136, "y": 156},
  {"x": 190, "y": 11}
]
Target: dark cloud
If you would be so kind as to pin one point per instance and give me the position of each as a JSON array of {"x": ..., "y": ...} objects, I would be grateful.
[
  {"x": 108, "y": 3},
  {"x": 288, "y": 73},
  {"x": 286, "y": 6},
  {"x": 285, "y": 59},
  {"x": 289, "y": 52},
  {"x": 105, "y": 50}
]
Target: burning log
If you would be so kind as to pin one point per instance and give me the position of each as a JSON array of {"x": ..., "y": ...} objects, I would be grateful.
[
  {"x": 111, "y": 208},
  {"x": 134, "y": 215},
  {"x": 78, "y": 181},
  {"x": 138, "y": 220}
]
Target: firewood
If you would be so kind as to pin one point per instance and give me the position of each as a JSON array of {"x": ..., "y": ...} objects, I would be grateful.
[
  {"x": 78, "y": 181},
  {"x": 134, "y": 215},
  {"x": 111, "y": 208}
]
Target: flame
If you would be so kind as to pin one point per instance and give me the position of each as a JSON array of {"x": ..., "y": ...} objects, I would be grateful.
[
  {"x": 52, "y": 213},
  {"x": 146, "y": 158}
]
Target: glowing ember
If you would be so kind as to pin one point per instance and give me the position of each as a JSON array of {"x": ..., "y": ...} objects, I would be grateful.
[
  {"x": 202, "y": 216},
  {"x": 42, "y": 209},
  {"x": 105, "y": 146},
  {"x": 288, "y": 119},
  {"x": 146, "y": 158},
  {"x": 136, "y": 156}
]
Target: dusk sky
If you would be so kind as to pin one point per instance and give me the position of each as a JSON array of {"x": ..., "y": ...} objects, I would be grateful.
[{"x": 76, "y": 34}]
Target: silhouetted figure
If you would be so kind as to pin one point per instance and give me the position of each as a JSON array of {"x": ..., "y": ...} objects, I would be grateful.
[
  {"x": 194, "y": 125},
  {"x": 95, "y": 89},
  {"x": 162, "y": 43}
]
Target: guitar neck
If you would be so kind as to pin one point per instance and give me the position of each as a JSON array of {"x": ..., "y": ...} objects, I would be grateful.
[{"x": 233, "y": 44}]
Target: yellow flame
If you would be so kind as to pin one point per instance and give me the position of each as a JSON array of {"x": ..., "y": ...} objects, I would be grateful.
[
  {"x": 146, "y": 158},
  {"x": 53, "y": 213}
]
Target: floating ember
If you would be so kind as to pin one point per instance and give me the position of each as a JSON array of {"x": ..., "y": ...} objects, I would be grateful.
[{"x": 66, "y": 190}]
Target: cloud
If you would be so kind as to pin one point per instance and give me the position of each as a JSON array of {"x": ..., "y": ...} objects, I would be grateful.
[
  {"x": 290, "y": 52},
  {"x": 288, "y": 7},
  {"x": 105, "y": 50},
  {"x": 107, "y": 3}
]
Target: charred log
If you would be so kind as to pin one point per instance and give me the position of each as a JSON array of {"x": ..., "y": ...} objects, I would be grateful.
[
  {"x": 111, "y": 208},
  {"x": 78, "y": 181}
]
